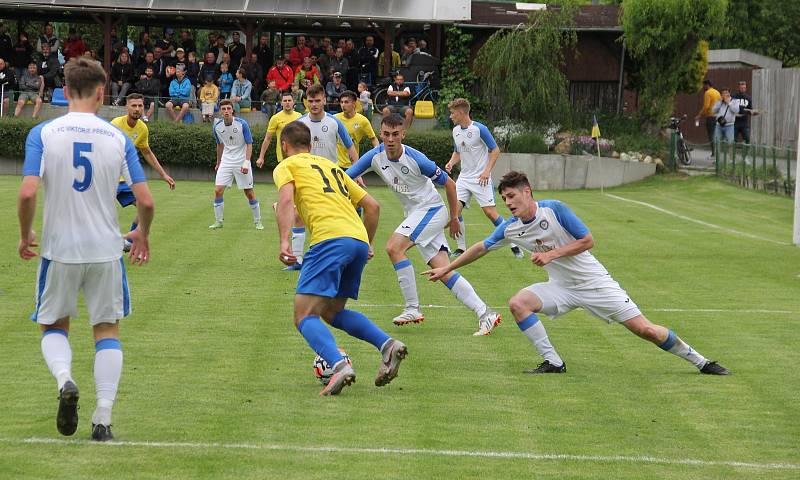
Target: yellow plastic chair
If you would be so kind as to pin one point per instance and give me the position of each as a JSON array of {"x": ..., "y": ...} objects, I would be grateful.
[{"x": 424, "y": 109}]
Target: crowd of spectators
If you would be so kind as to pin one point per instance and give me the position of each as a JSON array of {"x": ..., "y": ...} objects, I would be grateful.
[{"x": 173, "y": 72}]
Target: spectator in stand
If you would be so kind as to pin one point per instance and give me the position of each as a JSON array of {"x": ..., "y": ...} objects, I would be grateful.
[
  {"x": 149, "y": 62},
  {"x": 180, "y": 94},
  {"x": 399, "y": 101},
  {"x": 339, "y": 63},
  {"x": 187, "y": 43},
  {"x": 160, "y": 64},
  {"x": 256, "y": 76},
  {"x": 353, "y": 71},
  {"x": 212, "y": 43},
  {"x": 180, "y": 58},
  {"x": 31, "y": 87},
  {"x": 322, "y": 48},
  {"x": 50, "y": 69},
  {"x": 6, "y": 48},
  {"x": 237, "y": 51},
  {"x": 341, "y": 43},
  {"x": 167, "y": 43},
  {"x": 226, "y": 58},
  {"x": 742, "y": 125},
  {"x": 368, "y": 60},
  {"x": 220, "y": 50},
  {"x": 298, "y": 95},
  {"x": 22, "y": 54},
  {"x": 366, "y": 102},
  {"x": 142, "y": 49},
  {"x": 282, "y": 74},
  {"x": 410, "y": 49},
  {"x": 333, "y": 90},
  {"x": 269, "y": 99},
  {"x": 209, "y": 69},
  {"x": 209, "y": 96},
  {"x": 725, "y": 111},
  {"x": 307, "y": 75},
  {"x": 116, "y": 47},
  {"x": 382, "y": 64},
  {"x": 48, "y": 38},
  {"x": 8, "y": 83},
  {"x": 423, "y": 46},
  {"x": 192, "y": 68},
  {"x": 264, "y": 53},
  {"x": 225, "y": 81},
  {"x": 324, "y": 62},
  {"x": 123, "y": 77},
  {"x": 710, "y": 98},
  {"x": 74, "y": 46},
  {"x": 92, "y": 54},
  {"x": 150, "y": 87},
  {"x": 298, "y": 53},
  {"x": 241, "y": 92}
]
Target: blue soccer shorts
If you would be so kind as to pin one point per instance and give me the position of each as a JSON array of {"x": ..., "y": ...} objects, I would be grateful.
[
  {"x": 333, "y": 268},
  {"x": 125, "y": 195}
]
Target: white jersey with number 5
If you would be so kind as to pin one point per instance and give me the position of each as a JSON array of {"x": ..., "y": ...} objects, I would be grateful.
[{"x": 80, "y": 158}]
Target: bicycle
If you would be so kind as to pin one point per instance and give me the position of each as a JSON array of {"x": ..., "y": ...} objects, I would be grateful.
[
  {"x": 682, "y": 148},
  {"x": 422, "y": 88}
]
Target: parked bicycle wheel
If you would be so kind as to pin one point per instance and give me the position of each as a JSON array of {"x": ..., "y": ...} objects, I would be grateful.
[
  {"x": 381, "y": 99},
  {"x": 684, "y": 152}
]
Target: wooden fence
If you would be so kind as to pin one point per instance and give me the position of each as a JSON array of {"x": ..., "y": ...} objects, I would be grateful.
[{"x": 777, "y": 92}]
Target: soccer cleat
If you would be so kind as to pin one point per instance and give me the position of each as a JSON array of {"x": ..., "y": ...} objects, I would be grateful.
[
  {"x": 259, "y": 226},
  {"x": 487, "y": 322},
  {"x": 102, "y": 433},
  {"x": 714, "y": 368},
  {"x": 392, "y": 354},
  {"x": 343, "y": 375},
  {"x": 293, "y": 268},
  {"x": 67, "y": 417},
  {"x": 409, "y": 315},
  {"x": 517, "y": 252},
  {"x": 547, "y": 367},
  {"x": 457, "y": 253},
  {"x": 215, "y": 225}
]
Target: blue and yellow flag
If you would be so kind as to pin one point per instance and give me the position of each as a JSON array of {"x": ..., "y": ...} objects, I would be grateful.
[{"x": 595, "y": 127}]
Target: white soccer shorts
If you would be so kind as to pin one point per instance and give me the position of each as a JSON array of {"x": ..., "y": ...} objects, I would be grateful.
[
  {"x": 604, "y": 299},
  {"x": 425, "y": 227},
  {"x": 226, "y": 174},
  {"x": 105, "y": 289},
  {"x": 466, "y": 188}
]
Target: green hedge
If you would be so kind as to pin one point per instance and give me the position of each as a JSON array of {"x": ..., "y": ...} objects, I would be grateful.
[{"x": 193, "y": 144}]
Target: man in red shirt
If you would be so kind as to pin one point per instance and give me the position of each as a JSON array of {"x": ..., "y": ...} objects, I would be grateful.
[
  {"x": 74, "y": 46},
  {"x": 282, "y": 74},
  {"x": 298, "y": 53}
]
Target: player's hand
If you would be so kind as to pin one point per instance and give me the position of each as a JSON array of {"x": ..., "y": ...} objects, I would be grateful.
[
  {"x": 483, "y": 180},
  {"x": 370, "y": 253},
  {"x": 245, "y": 170},
  {"x": 435, "y": 274},
  {"x": 455, "y": 231},
  {"x": 260, "y": 162},
  {"x": 25, "y": 245},
  {"x": 169, "y": 181},
  {"x": 541, "y": 259},
  {"x": 448, "y": 167},
  {"x": 140, "y": 249},
  {"x": 216, "y": 167},
  {"x": 360, "y": 182},
  {"x": 286, "y": 256}
]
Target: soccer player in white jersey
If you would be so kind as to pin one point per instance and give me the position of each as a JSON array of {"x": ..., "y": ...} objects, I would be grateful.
[
  {"x": 411, "y": 175},
  {"x": 79, "y": 158},
  {"x": 475, "y": 149},
  {"x": 560, "y": 243},
  {"x": 234, "y": 150},
  {"x": 327, "y": 132}
]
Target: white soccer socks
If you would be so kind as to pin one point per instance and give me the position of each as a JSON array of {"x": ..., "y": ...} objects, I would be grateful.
[
  {"x": 408, "y": 283},
  {"x": 461, "y": 241},
  {"x": 533, "y": 329},
  {"x": 219, "y": 208},
  {"x": 298, "y": 242},
  {"x": 107, "y": 371},
  {"x": 58, "y": 355},
  {"x": 674, "y": 345},
  {"x": 255, "y": 206},
  {"x": 465, "y": 294}
]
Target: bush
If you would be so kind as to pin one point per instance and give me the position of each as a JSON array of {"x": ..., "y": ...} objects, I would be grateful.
[
  {"x": 193, "y": 144},
  {"x": 527, "y": 143}
]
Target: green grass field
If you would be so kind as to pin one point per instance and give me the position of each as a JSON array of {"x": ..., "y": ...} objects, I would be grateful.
[{"x": 217, "y": 382}]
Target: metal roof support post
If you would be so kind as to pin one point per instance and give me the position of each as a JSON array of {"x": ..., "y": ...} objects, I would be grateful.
[
  {"x": 388, "y": 48},
  {"x": 105, "y": 22},
  {"x": 621, "y": 78}
]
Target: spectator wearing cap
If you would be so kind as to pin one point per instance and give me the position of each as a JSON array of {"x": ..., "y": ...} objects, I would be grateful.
[
  {"x": 180, "y": 95},
  {"x": 180, "y": 59},
  {"x": 237, "y": 51},
  {"x": 187, "y": 43},
  {"x": 333, "y": 90},
  {"x": 74, "y": 46},
  {"x": 299, "y": 52},
  {"x": 241, "y": 91},
  {"x": 282, "y": 74},
  {"x": 49, "y": 39},
  {"x": 123, "y": 78}
]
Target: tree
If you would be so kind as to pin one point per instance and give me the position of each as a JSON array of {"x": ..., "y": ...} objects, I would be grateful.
[
  {"x": 663, "y": 38},
  {"x": 763, "y": 26},
  {"x": 457, "y": 78},
  {"x": 521, "y": 68}
]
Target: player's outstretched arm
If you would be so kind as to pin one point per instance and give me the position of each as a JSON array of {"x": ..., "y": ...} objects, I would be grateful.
[
  {"x": 26, "y": 209},
  {"x": 455, "y": 159},
  {"x": 285, "y": 217},
  {"x": 140, "y": 250},
  {"x": 151, "y": 159},
  {"x": 473, "y": 253}
]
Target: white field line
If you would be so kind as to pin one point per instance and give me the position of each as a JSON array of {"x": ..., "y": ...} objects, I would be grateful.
[
  {"x": 676, "y": 310},
  {"x": 633, "y": 459},
  {"x": 699, "y": 222}
]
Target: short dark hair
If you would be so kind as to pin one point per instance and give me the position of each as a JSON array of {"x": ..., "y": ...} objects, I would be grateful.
[
  {"x": 287, "y": 93},
  {"x": 315, "y": 90},
  {"x": 296, "y": 134},
  {"x": 225, "y": 102},
  {"x": 724, "y": 89},
  {"x": 513, "y": 179},
  {"x": 83, "y": 75},
  {"x": 707, "y": 82},
  {"x": 135, "y": 96},
  {"x": 393, "y": 120},
  {"x": 350, "y": 94}
]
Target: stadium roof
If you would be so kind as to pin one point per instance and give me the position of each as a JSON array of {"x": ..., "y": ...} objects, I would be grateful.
[
  {"x": 430, "y": 11},
  {"x": 494, "y": 14}
]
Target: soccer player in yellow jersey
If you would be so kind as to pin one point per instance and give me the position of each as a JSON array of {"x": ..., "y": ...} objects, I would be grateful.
[
  {"x": 357, "y": 125},
  {"x": 340, "y": 248},
  {"x": 132, "y": 125},
  {"x": 275, "y": 127}
]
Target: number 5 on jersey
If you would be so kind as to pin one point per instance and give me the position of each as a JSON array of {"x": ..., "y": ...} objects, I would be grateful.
[{"x": 78, "y": 161}]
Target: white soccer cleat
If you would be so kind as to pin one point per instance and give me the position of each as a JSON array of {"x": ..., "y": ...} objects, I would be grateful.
[
  {"x": 215, "y": 225},
  {"x": 409, "y": 315},
  {"x": 259, "y": 226},
  {"x": 487, "y": 323}
]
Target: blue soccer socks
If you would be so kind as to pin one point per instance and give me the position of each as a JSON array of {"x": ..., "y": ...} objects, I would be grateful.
[
  {"x": 357, "y": 325},
  {"x": 320, "y": 339}
]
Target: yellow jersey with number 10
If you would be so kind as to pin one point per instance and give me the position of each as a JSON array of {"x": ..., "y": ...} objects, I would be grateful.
[{"x": 324, "y": 195}]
